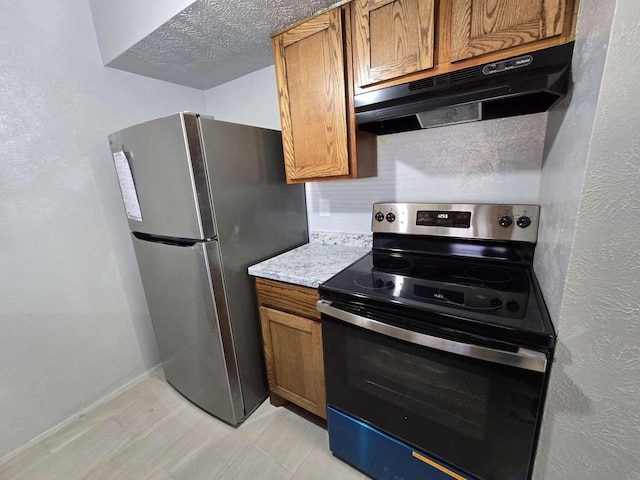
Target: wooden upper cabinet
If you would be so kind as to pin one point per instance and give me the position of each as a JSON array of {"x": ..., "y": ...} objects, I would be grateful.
[
  {"x": 484, "y": 26},
  {"x": 392, "y": 38},
  {"x": 310, "y": 71}
]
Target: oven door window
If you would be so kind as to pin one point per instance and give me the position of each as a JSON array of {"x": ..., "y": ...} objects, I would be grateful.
[
  {"x": 443, "y": 394},
  {"x": 478, "y": 416}
]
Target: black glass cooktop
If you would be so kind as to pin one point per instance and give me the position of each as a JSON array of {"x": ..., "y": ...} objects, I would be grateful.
[{"x": 486, "y": 296}]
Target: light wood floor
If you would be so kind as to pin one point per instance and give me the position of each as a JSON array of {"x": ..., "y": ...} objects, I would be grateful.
[{"x": 150, "y": 432}]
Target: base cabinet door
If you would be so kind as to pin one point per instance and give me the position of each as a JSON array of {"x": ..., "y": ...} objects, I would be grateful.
[{"x": 293, "y": 357}]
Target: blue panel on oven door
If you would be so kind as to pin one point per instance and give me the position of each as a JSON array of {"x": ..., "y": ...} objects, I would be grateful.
[{"x": 381, "y": 456}]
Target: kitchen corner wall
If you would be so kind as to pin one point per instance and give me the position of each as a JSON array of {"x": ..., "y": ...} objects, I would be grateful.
[
  {"x": 74, "y": 324},
  {"x": 568, "y": 139},
  {"x": 490, "y": 161},
  {"x": 591, "y": 427},
  {"x": 250, "y": 100},
  {"x": 120, "y": 24}
]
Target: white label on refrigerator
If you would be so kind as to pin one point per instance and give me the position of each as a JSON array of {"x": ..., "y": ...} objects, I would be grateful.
[{"x": 128, "y": 188}]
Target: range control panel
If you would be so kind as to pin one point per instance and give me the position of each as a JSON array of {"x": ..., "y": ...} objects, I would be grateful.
[{"x": 482, "y": 221}]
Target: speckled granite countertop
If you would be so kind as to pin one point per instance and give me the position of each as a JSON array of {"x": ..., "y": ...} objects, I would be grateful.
[{"x": 310, "y": 264}]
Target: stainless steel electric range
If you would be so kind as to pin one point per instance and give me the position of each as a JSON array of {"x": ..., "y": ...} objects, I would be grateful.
[{"x": 438, "y": 345}]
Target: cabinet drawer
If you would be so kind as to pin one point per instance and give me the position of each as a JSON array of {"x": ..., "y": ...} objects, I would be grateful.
[{"x": 287, "y": 297}]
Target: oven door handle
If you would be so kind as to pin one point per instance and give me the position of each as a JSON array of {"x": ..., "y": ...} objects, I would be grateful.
[{"x": 524, "y": 358}]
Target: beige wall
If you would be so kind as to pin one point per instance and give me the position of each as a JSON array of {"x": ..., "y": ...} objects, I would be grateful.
[
  {"x": 591, "y": 429},
  {"x": 120, "y": 24},
  {"x": 567, "y": 143},
  {"x": 73, "y": 317}
]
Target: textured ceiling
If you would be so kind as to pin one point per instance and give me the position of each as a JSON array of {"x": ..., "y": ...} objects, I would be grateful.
[{"x": 211, "y": 42}]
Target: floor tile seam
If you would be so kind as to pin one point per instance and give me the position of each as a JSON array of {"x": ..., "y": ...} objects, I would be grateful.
[
  {"x": 313, "y": 447},
  {"x": 261, "y": 430},
  {"x": 287, "y": 415},
  {"x": 21, "y": 473},
  {"x": 33, "y": 465},
  {"x": 103, "y": 458},
  {"x": 104, "y": 455},
  {"x": 147, "y": 434},
  {"x": 146, "y": 431},
  {"x": 250, "y": 445},
  {"x": 280, "y": 463},
  {"x": 151, "y": 474},
  {"x": 193, "y": 452},
  {"x": 243, "y": 444},
  {"x": 135, "y": 402},
  {"x": 167, "y": 475},
  {"x": 114, "y": 457},
  {"x": 51, "y": 431},
  {"x": 79, "y": 419},
  {"x": 151, "y": 395},
  {"x": 150, "y": 462},
  {"x": 232, "y": 461}
]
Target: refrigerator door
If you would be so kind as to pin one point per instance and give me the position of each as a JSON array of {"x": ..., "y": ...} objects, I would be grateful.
[
  {"x": 257, "y": 216},
  {"x": 169, "y": 174},
  {"x": 191, "y": 324}
]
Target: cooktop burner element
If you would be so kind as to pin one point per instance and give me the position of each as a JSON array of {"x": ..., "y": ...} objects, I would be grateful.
[
  {"x": 387, "y": 262},
  {"x": 490, "y": 275},
  {"x": 378, "y": 281},
  {"x": 471, "y": 296},
  {"x": 429, "y": 281}
]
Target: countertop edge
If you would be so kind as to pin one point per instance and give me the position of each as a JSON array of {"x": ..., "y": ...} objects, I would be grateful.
[{"x": 308, "y": 264}]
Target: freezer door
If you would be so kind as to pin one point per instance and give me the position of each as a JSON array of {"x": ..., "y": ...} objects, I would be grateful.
[
  {"x": 169, "y": 174},
  {"x": 192, "y": 330}
]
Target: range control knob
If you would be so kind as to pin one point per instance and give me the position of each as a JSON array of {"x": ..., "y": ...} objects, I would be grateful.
[
  {"x": 391, "y": 217},
  {"x": 505, "y": 221},
  {"x": 379, "y": 216},
  {"x": 523, "y": 221}
]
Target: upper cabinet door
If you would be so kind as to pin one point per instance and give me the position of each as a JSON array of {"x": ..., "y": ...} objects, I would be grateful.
[
  {"x": 309, "y": 63},
  {"x": 392, "y": 38},
  {"x": 484, "y": 26}
]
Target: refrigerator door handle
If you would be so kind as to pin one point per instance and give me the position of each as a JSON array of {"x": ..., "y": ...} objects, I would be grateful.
[
  {"x": 218, "y": 293},
  {"x": 176, "y": 242}
]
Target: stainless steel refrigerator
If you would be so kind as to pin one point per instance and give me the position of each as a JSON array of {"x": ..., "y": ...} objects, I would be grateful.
[{"x": 205, "y": 199}]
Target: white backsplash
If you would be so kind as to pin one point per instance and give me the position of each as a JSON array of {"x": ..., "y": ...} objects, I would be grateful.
[
  {"x": 493, "y": 161},
  {"x": 342, "y": 238}
]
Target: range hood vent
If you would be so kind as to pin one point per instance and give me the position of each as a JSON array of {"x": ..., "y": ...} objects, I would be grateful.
[
  {"x": 520, "y": 85},
  {"x": 422, "y": 84}
]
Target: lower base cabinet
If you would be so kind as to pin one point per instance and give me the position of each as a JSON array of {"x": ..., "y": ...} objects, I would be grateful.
[{"x": 292, "y": 340}]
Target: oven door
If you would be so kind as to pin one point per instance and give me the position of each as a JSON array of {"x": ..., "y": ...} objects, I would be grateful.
[{"x": 473, "y": 407}]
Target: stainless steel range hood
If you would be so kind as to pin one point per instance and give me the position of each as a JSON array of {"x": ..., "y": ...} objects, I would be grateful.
[{"x": 519, "y": 85}]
